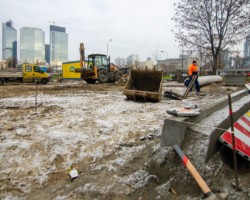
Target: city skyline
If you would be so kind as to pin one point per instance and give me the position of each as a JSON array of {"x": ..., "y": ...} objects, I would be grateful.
[
  {"x": 32, "y": 47},
  {"x": 141, "y": 27},
  {"x": 63, "y": 57},
  {"x": 135, "y": 27}
]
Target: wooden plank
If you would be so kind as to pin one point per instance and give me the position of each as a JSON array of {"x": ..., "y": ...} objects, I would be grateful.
[{"x": 190, "y": 86}]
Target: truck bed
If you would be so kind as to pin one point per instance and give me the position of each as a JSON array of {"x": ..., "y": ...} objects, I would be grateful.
[{"x": 4, "y": 74}]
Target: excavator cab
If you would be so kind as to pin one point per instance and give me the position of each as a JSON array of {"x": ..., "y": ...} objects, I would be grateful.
[
  {"x": 101, "y": 61},
  {"x": 99, "y": 68}
]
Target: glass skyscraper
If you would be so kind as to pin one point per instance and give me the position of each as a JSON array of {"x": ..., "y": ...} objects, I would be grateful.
[
  {"x": 9, "y": 42},
  {"x": 32, "y": 45},
  {"x": 47, "y": 53},
  {"x": 247, "y": 47},
  {"x": 58, "y": 45}
]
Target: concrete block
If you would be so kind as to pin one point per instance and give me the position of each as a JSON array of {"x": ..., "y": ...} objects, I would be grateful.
[
  {"x": 173, "y": 131},
  {"x": 234, "y": 80}
]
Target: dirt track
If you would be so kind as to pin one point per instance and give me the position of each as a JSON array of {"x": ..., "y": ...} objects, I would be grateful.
[{"x": 115, "y": 144}]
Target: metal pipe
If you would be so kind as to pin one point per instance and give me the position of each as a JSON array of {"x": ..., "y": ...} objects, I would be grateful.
[{"x": 233, "y": 141}]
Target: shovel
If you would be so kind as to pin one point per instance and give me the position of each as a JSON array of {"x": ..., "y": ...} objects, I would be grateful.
[{"x": 199, "y": 180}]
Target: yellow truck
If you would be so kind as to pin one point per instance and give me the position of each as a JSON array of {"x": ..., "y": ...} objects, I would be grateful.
[{"x": 29, "y": 73}]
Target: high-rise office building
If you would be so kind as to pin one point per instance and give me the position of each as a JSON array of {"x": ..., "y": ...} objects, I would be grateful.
[
  {"x": 32, "y": 45},
  {"x": 9, "y": 42},
  {"x": 47, "y": 53},
  {"x": 247, "y": 47},
  {"x": 58, "y": 45}
]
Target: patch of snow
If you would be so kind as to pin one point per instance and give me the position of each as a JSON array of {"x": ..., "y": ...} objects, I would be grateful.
[
  {"x": 69, "y": 128},
  {"x": 137, "y": 180}
]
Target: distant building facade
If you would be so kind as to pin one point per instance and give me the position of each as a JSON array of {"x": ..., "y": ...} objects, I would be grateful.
[
  {"x": 246, "y": 59},
  {"x": 58, "y": 45},
  {"x": 3, "y": 64},
  {"x": 180, "y": 63},
  {"x": 149, "y": 64},
  {"x": 226, "y": 61},
  {"x": 132, "y": 59},
  {"x": 247, "y": 47},
  {"x": 9, "y": 42},
  {"x": 32, "y": 45}
]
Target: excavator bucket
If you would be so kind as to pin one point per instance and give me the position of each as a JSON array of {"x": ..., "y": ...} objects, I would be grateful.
[{"x": 144, "y": 85}]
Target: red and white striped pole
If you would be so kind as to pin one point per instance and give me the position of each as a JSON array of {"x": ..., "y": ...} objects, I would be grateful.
[{"x": 199, "y": 180}]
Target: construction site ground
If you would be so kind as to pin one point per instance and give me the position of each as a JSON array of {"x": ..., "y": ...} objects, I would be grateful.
[{"x": 114, "y": 143}]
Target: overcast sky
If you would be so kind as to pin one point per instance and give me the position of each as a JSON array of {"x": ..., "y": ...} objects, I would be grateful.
[{"x": 135, "y": 26}]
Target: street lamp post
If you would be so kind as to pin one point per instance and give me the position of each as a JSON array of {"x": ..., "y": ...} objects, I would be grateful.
[
  {"x": 165, "y": 52},
  {"x": 108, "y": 46}
]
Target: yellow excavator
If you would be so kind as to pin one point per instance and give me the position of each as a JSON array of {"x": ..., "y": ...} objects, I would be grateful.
[{"x": 98, "y": 68}]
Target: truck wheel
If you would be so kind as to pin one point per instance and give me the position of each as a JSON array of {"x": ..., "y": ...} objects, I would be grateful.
[
  {"x": 90, "y": 81},
  {"x": 44, "y": 80},
  {"x": 118, "y": 75},
  {"x": 103, "y": 76},
  {"x": 1, "y": 81}
]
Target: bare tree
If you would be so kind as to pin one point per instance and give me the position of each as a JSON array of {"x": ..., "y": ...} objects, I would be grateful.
[
  {"x": 211, "y": 25},
  {"x": 120, "y": 62},
  {"x": 155, "y": 54},
  {"x": 10, "y": 62}
]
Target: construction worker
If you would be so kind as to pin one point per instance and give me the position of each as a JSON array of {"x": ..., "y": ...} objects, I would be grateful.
[{"x": 193, "y": 70}]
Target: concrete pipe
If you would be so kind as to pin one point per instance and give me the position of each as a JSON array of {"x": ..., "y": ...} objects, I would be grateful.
[{"x": 206, "y": 80}]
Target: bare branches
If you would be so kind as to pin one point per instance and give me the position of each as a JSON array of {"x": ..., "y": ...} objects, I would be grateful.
[
  {"x": 120, "y": 62},
  {"x": 212, "y": 25}
]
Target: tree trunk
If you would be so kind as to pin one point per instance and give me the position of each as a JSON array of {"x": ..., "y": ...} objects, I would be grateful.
[{"x": 215, "y": 64}]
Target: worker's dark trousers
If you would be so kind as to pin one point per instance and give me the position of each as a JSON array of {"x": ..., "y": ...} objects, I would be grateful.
[{"x": 196, "y": 82}]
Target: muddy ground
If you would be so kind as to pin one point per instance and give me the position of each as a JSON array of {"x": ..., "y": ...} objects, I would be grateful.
[{"x": 114, "y": 143}]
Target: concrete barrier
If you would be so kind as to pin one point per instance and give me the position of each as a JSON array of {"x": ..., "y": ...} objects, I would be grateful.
[
  {"x": 224, "y": 125},
  {"x": 234, "y": 80},
  {"x": 174, "y": 128},
  {"x": 173, "y": 131}
]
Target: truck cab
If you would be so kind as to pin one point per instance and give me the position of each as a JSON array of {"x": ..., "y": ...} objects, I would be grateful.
[{"x": 25, "y": 73}]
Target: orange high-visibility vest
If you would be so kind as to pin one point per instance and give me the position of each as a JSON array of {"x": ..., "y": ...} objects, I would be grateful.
[{"x": 192, "y": 70}]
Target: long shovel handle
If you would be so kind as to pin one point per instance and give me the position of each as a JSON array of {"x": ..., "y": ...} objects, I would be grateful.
[{"x": 199, "y": 180}]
